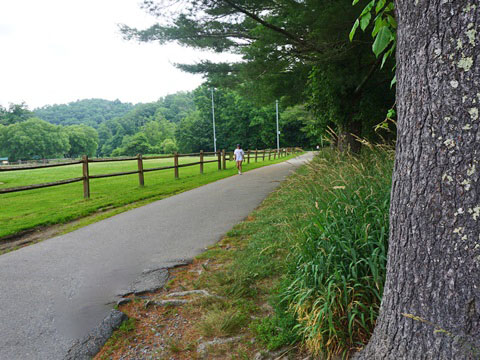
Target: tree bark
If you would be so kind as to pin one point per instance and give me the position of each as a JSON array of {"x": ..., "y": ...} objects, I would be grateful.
[
  {"x": 431, "y": 302},
  {"x": 348, "y": 138}
]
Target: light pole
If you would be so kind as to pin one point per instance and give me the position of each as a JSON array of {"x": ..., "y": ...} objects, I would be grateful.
[
  {"x": 278, "y": 132},
  {"x": 213, "y": 118}
]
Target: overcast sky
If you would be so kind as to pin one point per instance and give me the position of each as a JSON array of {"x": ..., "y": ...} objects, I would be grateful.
[{"x": 57, "y": 51}]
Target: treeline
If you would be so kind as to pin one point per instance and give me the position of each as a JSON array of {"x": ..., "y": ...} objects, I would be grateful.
[
  {"x": 179, "y": 122},
  {"x": 299, "y": 52},
  {"x": 91, "y": 112}
]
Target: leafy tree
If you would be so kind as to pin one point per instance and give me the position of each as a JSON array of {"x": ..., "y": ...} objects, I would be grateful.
[
  {"x": 175, "y": 107},
  {"x": 83, "y": 140},
  {"x": 105, "y": 135},
  {"x": 431, "y": 302},
  {"x": 157, "y": 132},
  {"x": 91, "y": 112},
  {"x": 237, "y": 120},
  {"x": 337, "y": 104},
  {"x": 113, "y": 131},
  {"x": 34, "y": 138},
  {"x": 169, "y": 146},
  {"x": 282, "y": 44},
  {"x": 300, "y": 127},
  {"x": 379, "y": 13},
  {"x": 133, "y": 145},
  {"x": 3, "y": 138},
  {"x": 14, "y": 114},
  {"x": 111, "y": 135},
  {"x": 194, "y": 133}
]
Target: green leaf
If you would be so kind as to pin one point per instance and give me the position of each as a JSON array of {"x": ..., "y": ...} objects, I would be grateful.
[
  {"x": 387, "y": 55},
  {"x": 380, "y": 5},
  {"x": 355, "y": 2},
  {"x": 392, "y": 21},
  {"x": 383, "y": 38},
  {"x": 354, "y": 29},
  {"x": 390, "y": 7},
  {"x": 365, "y": 20},
  {"x": 394, "y": 81},
  {"x": 391, "y": 113},
  {"x": 367, "y": 8},
  {"x": 379, "y": 23}
]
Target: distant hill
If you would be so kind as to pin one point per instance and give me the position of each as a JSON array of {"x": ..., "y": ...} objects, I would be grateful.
[
  {"x": 176, "y": 106},
  {"x": 91, "y": 112}
]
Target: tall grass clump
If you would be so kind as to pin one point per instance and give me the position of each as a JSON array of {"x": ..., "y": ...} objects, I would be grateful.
[
  {"x": 337, "y": 263},
  {"x": 316, "y": 251}
]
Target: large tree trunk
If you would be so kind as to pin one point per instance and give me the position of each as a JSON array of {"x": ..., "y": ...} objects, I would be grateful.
[
  {"x": 348, "y": 138},
  {"x": 351, "y": 131},
  {"x": 431, "y": 301}
]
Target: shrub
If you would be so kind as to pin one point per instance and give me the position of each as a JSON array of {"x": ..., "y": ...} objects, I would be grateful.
[{"x": 337, "y": 269}]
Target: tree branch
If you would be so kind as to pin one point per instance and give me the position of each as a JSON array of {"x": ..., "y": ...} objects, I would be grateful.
[
  {"x": 275, "y": 28},
  {"x": 370, "y": 73}
]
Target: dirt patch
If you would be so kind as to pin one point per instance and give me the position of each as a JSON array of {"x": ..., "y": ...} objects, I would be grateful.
[
  {"x": 170, "y": 323},
  {"x": 25, "y": 238}
]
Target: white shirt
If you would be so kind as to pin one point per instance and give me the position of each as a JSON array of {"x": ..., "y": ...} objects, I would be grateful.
[{"x": 239, "y": 154}]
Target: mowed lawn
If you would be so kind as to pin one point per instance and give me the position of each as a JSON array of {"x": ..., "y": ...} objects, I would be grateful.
[{"x": 29, "y": 209}]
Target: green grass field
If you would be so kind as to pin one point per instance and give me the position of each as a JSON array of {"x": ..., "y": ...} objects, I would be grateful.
[{"x": 29, "y": 209}]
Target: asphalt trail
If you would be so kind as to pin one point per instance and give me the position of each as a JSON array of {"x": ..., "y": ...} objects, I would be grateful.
[{"x": 56, "y": 292}]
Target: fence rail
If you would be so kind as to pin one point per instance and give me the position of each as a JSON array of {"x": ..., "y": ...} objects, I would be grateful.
[
  {"x": 221, "y": 159},
  {"x": 14, "y": 168}
]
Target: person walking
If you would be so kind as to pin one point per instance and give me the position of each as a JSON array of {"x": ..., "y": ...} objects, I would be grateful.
[{"x": 239, "y": 154}]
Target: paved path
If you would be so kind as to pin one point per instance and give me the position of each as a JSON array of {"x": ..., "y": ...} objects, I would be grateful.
[{"x": 55, "y": 292}]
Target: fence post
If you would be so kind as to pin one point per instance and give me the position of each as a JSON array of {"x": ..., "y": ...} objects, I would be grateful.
[
  {"x": 256, "y": 155},
  {"x": 86, "y": 180},
  {"x": 224, "y": 159},
  {"x": 248, "y": 156},
  {"x": 219, "y": 155},
  {"x": 263, "y": 158},
  {"x": 201, "y": 161},
  {"x": 140, "y": 170},
  {"x": 269, "y": 154},
  {"x": 175, "y": 163}
]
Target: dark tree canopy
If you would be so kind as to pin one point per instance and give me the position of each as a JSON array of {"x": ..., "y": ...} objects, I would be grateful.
[{"x": 288, "y": 49}]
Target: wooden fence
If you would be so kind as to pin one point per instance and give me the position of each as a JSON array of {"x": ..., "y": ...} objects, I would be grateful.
[{"x": 221, "y": 159}]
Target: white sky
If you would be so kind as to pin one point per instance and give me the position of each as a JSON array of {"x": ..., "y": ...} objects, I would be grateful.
[{"x": 57, "y": 51}]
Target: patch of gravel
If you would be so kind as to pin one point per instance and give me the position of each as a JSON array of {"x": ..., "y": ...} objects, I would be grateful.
[{"x": 202, "y": 348}]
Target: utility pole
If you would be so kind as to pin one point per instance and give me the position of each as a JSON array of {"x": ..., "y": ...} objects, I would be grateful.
[
  {"x": 278, "y": 131},
  {"x": 213, "y": 118}
]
